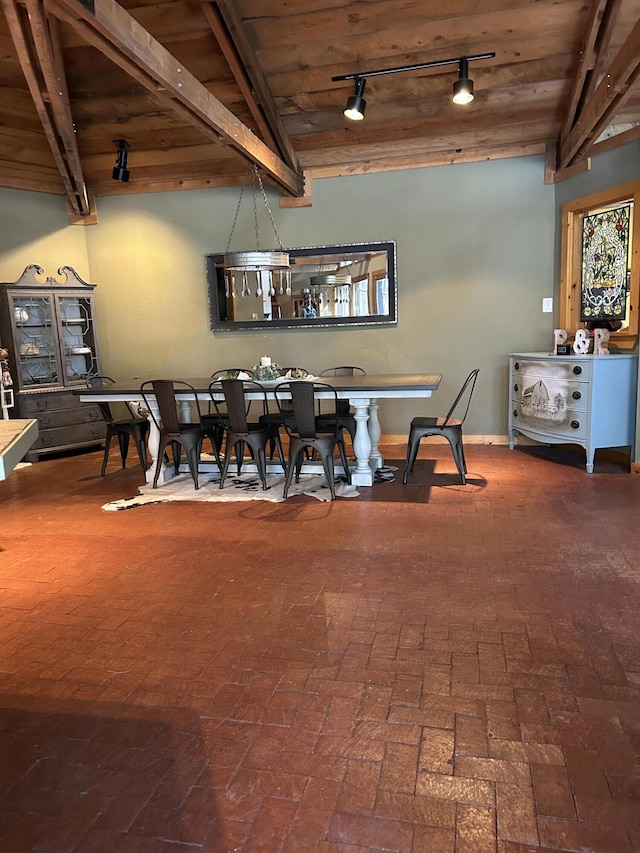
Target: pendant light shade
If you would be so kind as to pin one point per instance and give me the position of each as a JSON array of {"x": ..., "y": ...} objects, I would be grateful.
[{"x": 256, "y": 260}]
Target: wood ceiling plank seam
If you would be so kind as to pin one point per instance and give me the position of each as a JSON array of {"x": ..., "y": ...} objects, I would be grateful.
[
  {"x": 49, "y": 55},
  {"x": 14, "y": 15},
  {"x": 612, "y": 91},
  {"x": 110, "y": 25},
  {"x": 585, "y": 64},
  {"x": 230, "y": 54}
]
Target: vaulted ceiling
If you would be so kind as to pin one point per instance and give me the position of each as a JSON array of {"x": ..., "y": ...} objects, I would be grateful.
[{"x": 202, "y": 90}]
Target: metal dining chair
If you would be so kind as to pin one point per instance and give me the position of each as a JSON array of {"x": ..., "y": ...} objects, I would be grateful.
[
  {"x": 231, "y": 400},
  {"x": 213, "y": 421},
  {"x": 447, "y": 427},
  {"x": 277, "y": 418},
  {"x": 305, "y": 434},
  {"x": 124, "y": 428},
  {"x": 180, "y": 435},
  {"x": 345, "y": 415}
]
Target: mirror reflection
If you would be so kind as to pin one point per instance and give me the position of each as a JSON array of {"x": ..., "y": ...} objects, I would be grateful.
[{"x": 352, "y": 284}]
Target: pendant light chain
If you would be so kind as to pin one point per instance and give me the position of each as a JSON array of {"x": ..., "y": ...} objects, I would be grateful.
[
  {"x": 266, "y": 204},
  {"x": 235, "y": 219}
]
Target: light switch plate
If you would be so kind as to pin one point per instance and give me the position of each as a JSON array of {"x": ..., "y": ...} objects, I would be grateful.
[{"x": 547, "y": 305}]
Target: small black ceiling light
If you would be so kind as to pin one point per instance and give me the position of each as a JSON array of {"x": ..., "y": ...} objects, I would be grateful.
[
  {"x": 356, "y": 104},
  {"x": 463, "y": 86},
  {"x": 120, "y": 171}
]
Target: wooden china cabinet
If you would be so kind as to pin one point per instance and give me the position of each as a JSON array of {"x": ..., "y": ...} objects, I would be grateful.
[{"x": 48, "y": 327}]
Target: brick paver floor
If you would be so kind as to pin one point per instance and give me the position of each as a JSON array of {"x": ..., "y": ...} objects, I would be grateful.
[{"x": 430, "y": 668}]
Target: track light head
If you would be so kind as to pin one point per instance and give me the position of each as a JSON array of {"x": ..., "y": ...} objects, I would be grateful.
[
  {"x": 120, "y": 171},
  {"x": 463, "y": 86},
  {"x": 356, "y": 104}
]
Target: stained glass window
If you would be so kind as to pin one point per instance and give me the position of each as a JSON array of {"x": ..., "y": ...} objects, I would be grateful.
[{"x": 605, "y": 264}]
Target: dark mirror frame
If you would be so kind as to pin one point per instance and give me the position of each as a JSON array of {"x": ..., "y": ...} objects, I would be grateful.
[{"x": 218, "y": 300}]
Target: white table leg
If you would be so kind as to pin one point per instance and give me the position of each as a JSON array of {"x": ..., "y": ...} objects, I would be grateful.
[
  {"x": 363, "y": 473},
  {"x": 375, "y": 459}
]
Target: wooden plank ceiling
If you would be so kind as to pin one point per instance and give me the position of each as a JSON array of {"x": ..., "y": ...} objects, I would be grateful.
[{"x": 202, "y": 90}]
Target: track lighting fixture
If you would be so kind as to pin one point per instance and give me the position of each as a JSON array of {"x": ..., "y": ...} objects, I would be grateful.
[
  {"x": 356, "y": 104},
  {"x": 462, "y": 87},
  {"x": 120, "y": 171}
]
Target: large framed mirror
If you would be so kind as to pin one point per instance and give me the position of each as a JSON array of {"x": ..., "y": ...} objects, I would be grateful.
[{"x": 341, "y": 285}]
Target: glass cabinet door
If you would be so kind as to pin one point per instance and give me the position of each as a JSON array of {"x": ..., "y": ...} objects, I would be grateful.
[
  {"x": 36, "y": 336},
  {"x": 77, "y": 338}
]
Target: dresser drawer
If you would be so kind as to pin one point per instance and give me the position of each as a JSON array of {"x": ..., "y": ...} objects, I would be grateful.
[
  {"x": 569, "y": 422},
  {"x": 70, "y": 436},
  {"x": 83, "y": 414},
  {"x": 32, "y": 404}
]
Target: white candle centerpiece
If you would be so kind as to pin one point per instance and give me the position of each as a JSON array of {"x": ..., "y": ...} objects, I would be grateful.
[{"x": 265, "y": 361}]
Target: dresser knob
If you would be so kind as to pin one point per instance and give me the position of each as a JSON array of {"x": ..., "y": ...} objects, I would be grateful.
[
  {"x": 577, "y": 370},
  {"x": 517, "y": 365},
  {"x": 575, "y": 424},
  {"x": 515, "y": 413},
  {"x": 576, "y": 395},
  {"x": 516, "y": 387}
]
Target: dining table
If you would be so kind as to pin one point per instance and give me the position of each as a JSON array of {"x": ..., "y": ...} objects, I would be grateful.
[{"x": 362, "y": 391}]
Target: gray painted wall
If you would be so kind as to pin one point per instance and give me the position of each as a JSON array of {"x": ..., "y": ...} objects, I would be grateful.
[{"x": 477, "y": 252}]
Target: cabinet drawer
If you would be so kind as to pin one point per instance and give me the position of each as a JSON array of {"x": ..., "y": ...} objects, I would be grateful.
[
  {"x": 550, "y": 393},
  {"x": 83, "y": 414},
  {"x": 570, "y": 422},
  {"x": 71, "y": 435},
  {"x": 32, "y": 404}
]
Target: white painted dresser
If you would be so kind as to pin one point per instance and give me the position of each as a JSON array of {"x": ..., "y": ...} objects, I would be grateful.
[{"x": 588, "y": 400}]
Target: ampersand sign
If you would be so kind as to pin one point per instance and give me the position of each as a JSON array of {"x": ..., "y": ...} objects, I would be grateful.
[{"x": 581, "y": 342}]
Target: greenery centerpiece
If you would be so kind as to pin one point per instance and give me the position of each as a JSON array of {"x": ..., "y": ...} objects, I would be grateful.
[{"x": 266, "y": 369}]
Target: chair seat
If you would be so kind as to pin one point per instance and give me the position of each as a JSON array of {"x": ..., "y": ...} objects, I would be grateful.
[{"x": 434, "y": 423}]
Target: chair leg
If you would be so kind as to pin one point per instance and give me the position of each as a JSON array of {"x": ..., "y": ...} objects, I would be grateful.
[
  {"x": 107, "y": 445},
  {"x": 161, "y": 455},
  {"x": 123, "y": 441},
  {"x": 458, "y": 457},
  {"x": 327, "y": 464},
  {"x": 225, "y": 465},
  {"x": 344, "y": 460},
  {"x": 193, "y": 454},
  {"x": 142, "y": 452},
  {"x": 412, "y": 452},
  {"x": 261, "y": 462},
  {"x": 290, "y": 469}
]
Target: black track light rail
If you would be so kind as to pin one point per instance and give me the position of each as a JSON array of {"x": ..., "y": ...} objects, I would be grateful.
[{"x": 380, "y": 71}]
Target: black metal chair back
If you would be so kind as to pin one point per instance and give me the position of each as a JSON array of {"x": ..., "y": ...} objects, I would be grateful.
[
  {"x": 231, "y": 401},
  {"x": 347, "y": 419},
  {"x": 132, "y": 425},
  {"x": 305, "y": 432},
  {"x": 448, "y": 427},
  {"x": 173, "y": 431}
]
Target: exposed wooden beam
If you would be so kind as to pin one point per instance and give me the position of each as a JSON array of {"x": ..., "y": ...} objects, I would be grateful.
[
  {"x": 219, "y": 30},
  {"x": 586, "y": 64},
  {"x": 262, "y": 102},
  {"x": 18, "y": 27},
  {"x": 106, "y": 25},
  {"x": 610, "y": 94},
  {"x": 47, "y": 47}
]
